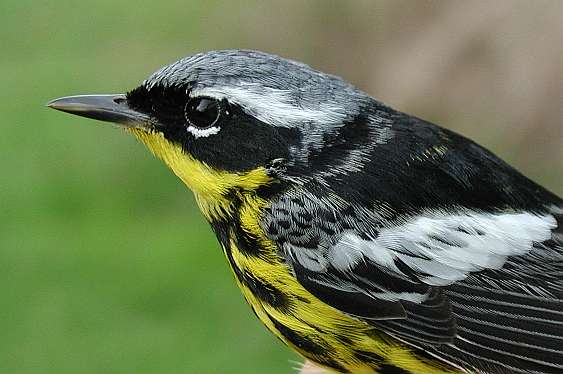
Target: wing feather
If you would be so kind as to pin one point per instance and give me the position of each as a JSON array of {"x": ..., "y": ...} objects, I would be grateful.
[{"x": 478, "y": 289}]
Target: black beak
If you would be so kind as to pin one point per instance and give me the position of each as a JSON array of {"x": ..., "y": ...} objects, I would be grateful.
[{"x": 108, "y": 108}]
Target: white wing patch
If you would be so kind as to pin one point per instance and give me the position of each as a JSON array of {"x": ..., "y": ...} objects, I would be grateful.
[{"x": 446, "y": 248}]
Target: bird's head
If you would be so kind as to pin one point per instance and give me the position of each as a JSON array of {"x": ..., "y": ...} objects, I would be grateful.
[{"x": 232, "y": 122}]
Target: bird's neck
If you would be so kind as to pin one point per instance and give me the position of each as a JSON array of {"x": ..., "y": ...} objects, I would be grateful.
[{"x": 218, "y": 192}]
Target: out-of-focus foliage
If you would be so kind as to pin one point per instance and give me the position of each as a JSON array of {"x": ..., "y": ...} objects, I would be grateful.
[{"x": 106, "y": 265}]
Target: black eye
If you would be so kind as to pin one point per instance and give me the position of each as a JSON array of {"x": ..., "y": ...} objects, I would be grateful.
[{"x": 202, "y": 112}]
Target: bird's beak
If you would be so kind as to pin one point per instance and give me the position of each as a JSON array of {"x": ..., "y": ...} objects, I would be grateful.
[{"x": 109, "y": 108}]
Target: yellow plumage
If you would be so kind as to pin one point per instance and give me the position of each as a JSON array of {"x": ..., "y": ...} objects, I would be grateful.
[
  {"x": 331, "y": 329},
  {"x": 366, "y": 239}
]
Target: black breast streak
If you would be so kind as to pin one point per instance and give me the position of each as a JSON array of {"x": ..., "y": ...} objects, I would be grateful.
[
  {"x": 331, "y": 363},
  {"x": 248, "y": 246},
  {"x": 300, "y": 341},
  {"x": 266, "y": 292},
  {"x": 221, "y": 229},
  {"x": 391, "y": 369},
  {"x": 369, "y": 357},
  {"x": 247, "y": 243},
  {"x": 315, "y": 350}
]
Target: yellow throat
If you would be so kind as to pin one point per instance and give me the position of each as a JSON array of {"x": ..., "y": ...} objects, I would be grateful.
[{"x": 211, "y": 187}]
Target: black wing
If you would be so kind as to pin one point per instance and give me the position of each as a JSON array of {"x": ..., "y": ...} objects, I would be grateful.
[{"x": 440, "y": 244}]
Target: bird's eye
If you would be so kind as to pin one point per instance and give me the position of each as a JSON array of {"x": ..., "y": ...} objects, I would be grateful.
[{"x": 202, "y": 112}]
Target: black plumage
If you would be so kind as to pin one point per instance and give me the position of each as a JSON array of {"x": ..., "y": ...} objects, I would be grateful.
[{"x": 363, "y": 237}]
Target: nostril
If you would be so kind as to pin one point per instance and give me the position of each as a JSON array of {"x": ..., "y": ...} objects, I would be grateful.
[{"x": 119, "y": 99}]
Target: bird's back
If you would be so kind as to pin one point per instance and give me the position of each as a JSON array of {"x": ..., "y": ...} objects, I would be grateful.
[
  {"x": 366, "y": 239},
  {"x": 432, "y": 214}
]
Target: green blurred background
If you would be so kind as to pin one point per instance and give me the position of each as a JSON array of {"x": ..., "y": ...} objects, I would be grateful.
[{"x": 106, "y": 265}]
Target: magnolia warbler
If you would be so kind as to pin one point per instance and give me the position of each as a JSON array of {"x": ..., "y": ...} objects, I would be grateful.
[{"x": 366, "y": 239}]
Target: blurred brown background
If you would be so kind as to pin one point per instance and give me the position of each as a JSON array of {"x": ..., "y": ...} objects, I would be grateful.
[
  {"x": 492, "y": 70},
  {"x": 107, "y": 266}
]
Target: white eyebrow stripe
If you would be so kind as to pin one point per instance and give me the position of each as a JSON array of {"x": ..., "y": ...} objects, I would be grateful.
[{"x": 274, "y": 106}]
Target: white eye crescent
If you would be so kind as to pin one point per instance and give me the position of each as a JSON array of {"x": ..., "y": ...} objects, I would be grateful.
[
  {"x": 201, "y": 114},
  {"x": 203, "y": 133}
]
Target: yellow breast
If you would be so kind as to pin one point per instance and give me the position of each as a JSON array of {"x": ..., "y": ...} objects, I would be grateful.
[{"x": 312, "y": 328}]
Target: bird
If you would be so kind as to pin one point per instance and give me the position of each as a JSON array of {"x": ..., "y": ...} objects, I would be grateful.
[{"x": 366, "y": 239}]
